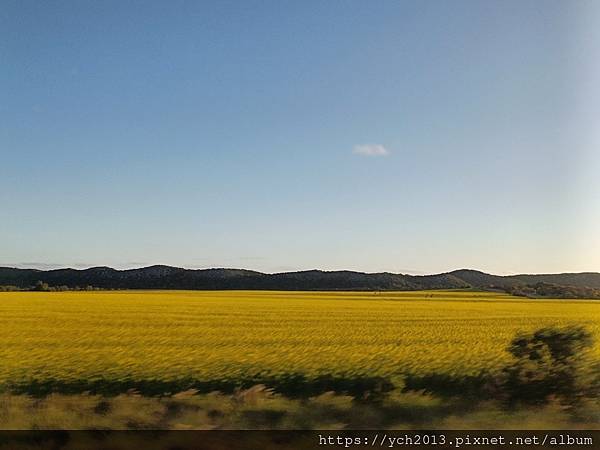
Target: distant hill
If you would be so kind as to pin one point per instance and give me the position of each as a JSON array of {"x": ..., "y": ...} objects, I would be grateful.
[
  {"x": 584, "y": 279},
  {"x": 166, "y": 277}
]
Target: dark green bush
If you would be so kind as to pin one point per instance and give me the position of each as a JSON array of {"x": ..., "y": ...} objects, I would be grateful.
[{"x": 550, "y": 363}]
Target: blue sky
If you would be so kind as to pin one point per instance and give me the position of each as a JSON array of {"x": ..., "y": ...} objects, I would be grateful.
[{"x": 402, "y": 136}]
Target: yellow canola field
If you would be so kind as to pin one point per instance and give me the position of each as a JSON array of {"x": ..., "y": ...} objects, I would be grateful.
[{"x": 212, "y": 335}]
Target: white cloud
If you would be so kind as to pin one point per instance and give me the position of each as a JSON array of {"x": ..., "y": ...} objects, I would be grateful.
[{"x": 371, "y": 150}]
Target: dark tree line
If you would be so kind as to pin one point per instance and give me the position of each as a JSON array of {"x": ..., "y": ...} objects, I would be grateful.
[
  {"x": 549, "y": 290},
  {"x": 41, "y": 286}
]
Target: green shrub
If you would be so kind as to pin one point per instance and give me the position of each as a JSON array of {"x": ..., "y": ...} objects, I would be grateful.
[{"x": 550, "y": 363}]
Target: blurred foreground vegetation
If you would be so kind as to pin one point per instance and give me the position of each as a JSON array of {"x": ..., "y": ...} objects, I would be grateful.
[
  {"x": 260, "y": 408},
  {"x": 552, "y": 382}
]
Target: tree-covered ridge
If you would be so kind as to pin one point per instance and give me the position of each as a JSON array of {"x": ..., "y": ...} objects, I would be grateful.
[{"x": 569, "y": 285}]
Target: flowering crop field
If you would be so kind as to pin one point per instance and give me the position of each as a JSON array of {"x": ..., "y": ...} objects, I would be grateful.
[{"x": 224, "y": 335}]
